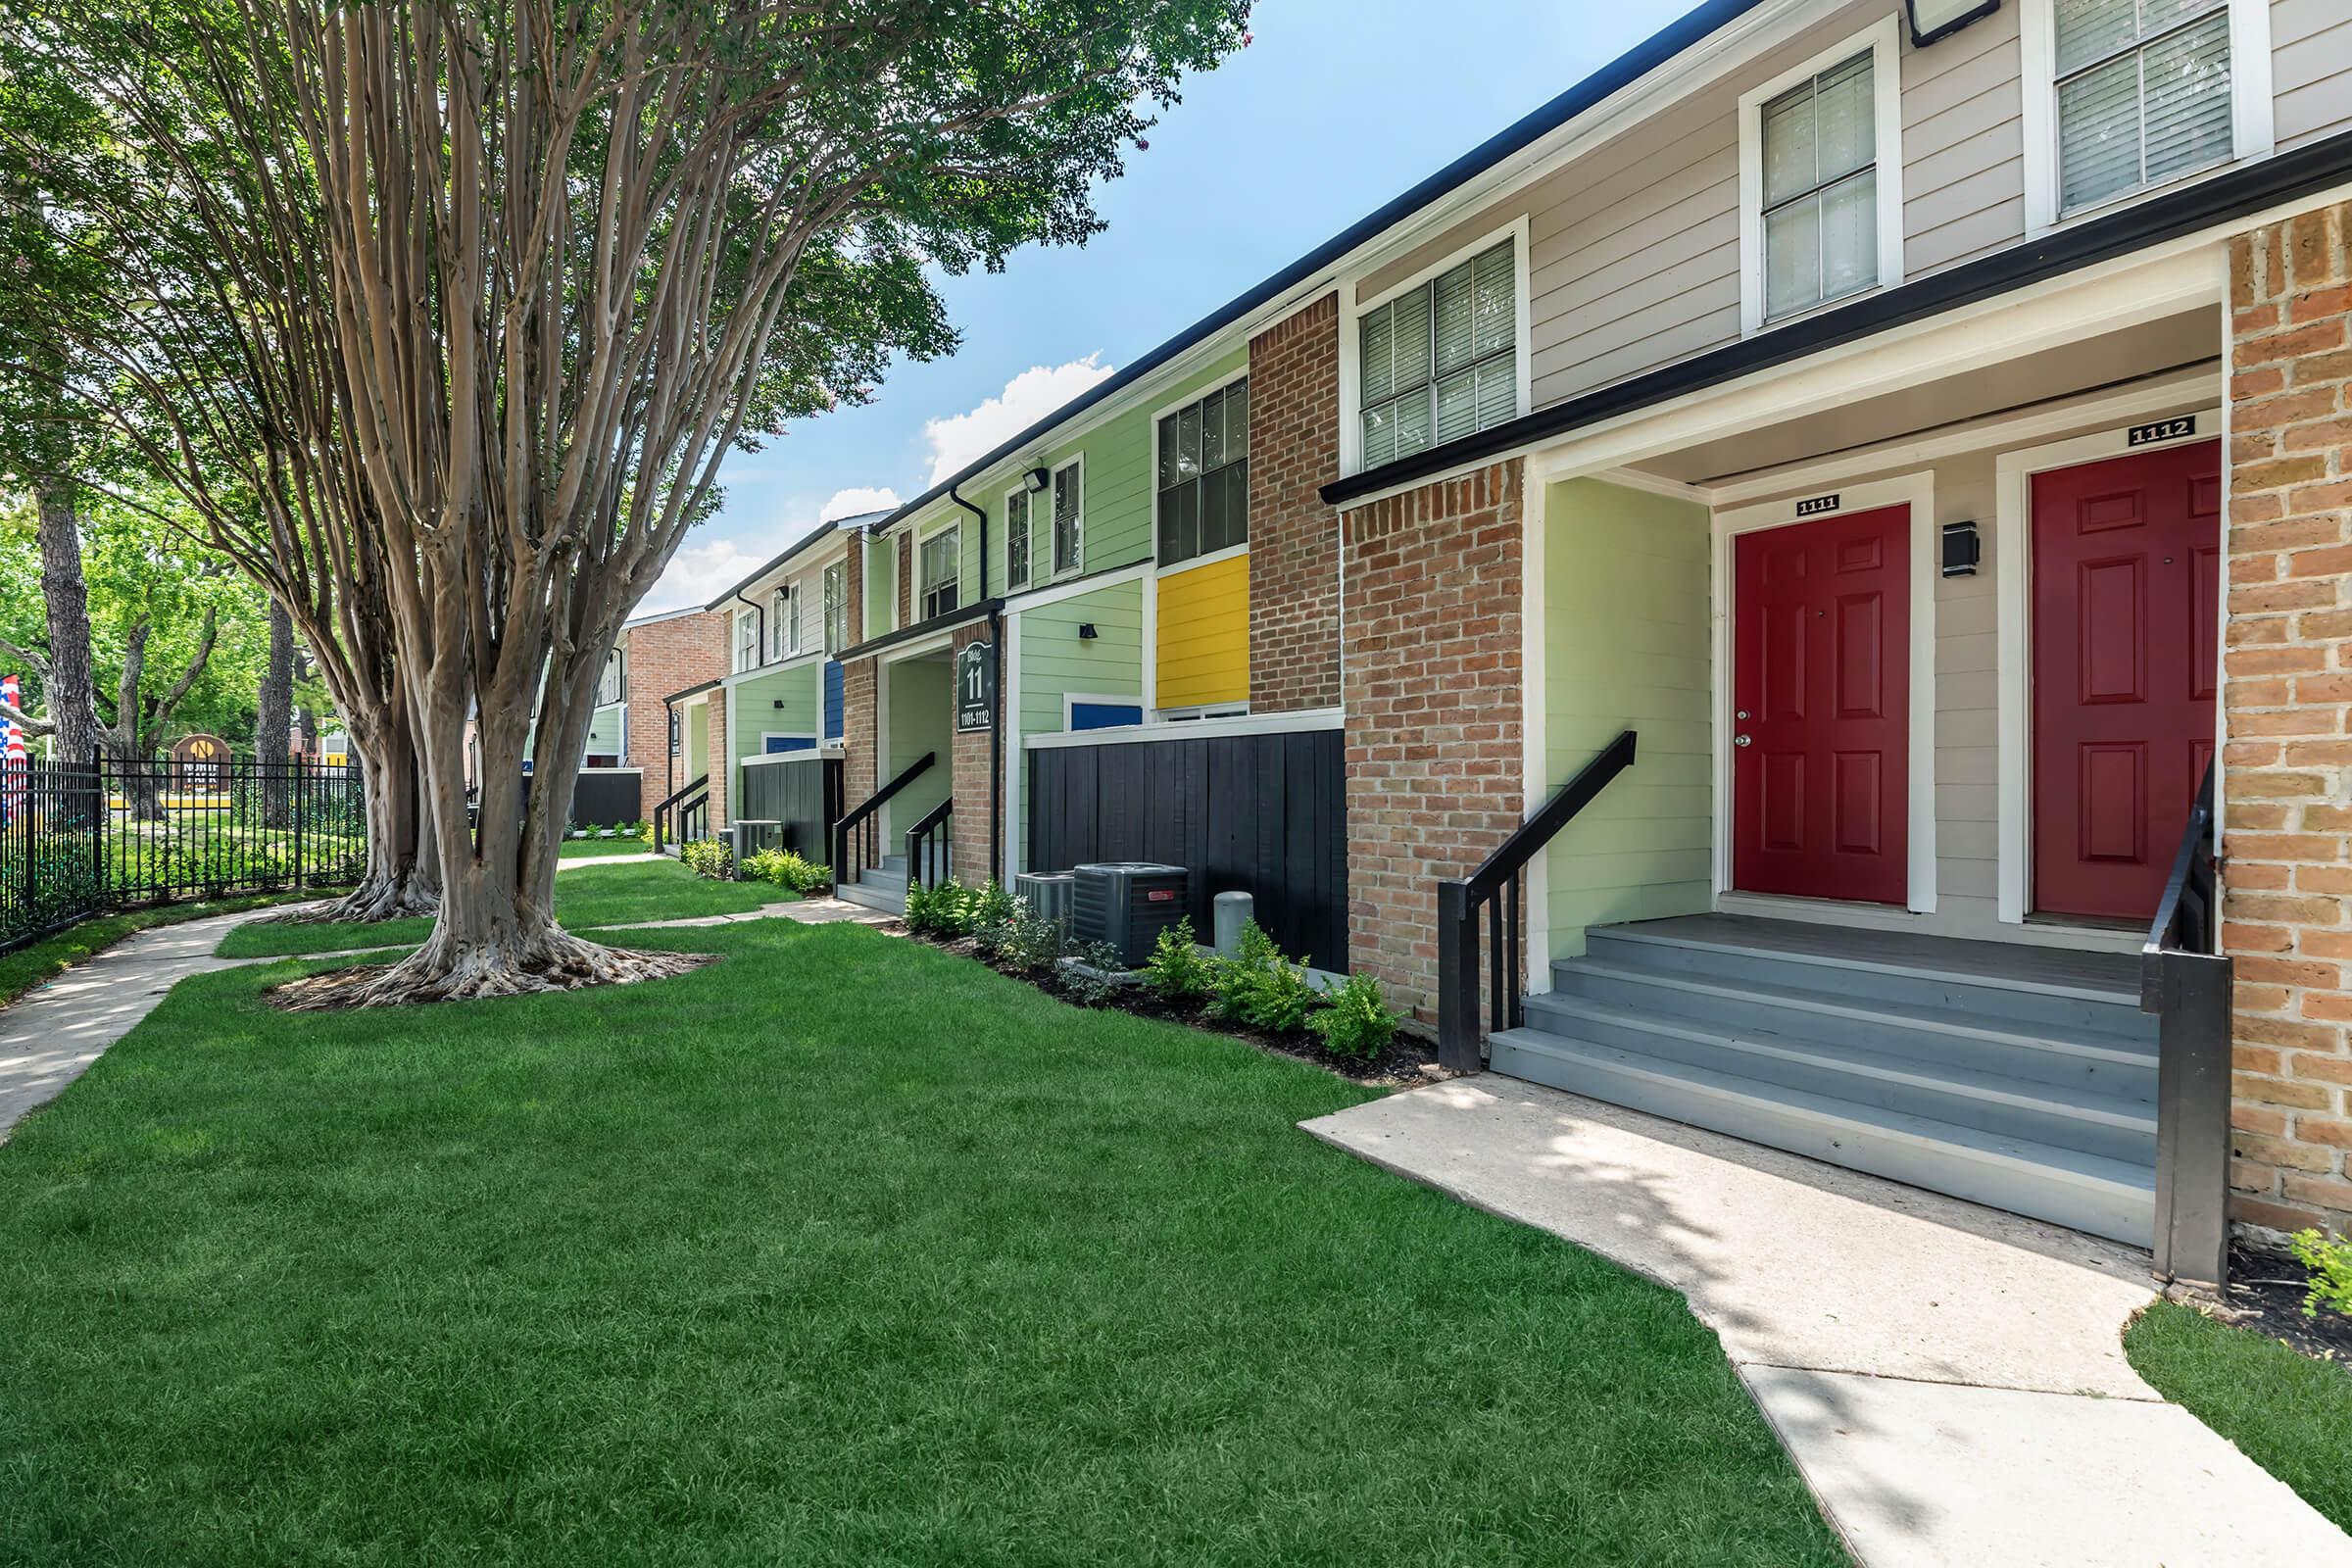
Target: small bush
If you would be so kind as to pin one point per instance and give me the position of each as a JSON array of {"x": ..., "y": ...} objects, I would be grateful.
[
  {"x": 1029, "y": 943},
  {"x": 1176, "y": 972},
  {"x": 710, "y": 857},
  {"x": 1356, "y": 1021},
  {"x": 645, "y": 832},
  {"x": 2330, "y": 1266},
  {"x": 992, "y": 904},
  {"x": 1261, "y": 988},
  {"x": 786, "y": 868},
  {"x": 944, "y": 911},
  {"x": 1087, "y": 987}
]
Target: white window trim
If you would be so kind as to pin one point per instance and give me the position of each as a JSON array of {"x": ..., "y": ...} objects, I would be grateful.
[
  {"x": 764, "y": 754},
  {"x": 824, "y": 629},
  {"x": 1196, "y": 563},
  {"x": 1200, "y": 712},
  {"x": 1353, "y": 310},
  {"x": 1304, "y": 721},
  {"x": 2252, "y": 130},
  {"x": 1056, "y": 572},
  {"x": 1020, "y": 487},
  {"x": 1152, "y": 476},
  {"x": 1884, "y": 40},
  {"x": 735, "y": 648},
  {"x": 953, "y": 525}
]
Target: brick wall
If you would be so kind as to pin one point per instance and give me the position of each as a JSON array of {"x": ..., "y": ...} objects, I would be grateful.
[
  {"x": 665, "y": 657},
  {"x": 2287, "y": 760},
  {"x": 903, "y": 555},
  {"x": 857, "y": 752},
  {"x": 1294, "y": 537},
  {"x": 720, "y": 762},
  {"x": 1433, "y": 698},
  {"x": 969, "y": 779}
]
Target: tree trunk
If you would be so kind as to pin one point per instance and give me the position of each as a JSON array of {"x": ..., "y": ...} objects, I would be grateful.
[
  {"x": 72, "y": 698},
  {"x": 401, "y": 879},
  {"x": 273, "y": 722}
]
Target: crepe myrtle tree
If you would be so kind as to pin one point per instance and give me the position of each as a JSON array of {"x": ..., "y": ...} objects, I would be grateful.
[{"x": 536, "y": 266}]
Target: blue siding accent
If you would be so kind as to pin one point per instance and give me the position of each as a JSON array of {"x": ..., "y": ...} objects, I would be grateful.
[
  {"x": 833, "y": 699},
  {"x": 789, "y": 743},
  {"x": 1105, "y": 716}
]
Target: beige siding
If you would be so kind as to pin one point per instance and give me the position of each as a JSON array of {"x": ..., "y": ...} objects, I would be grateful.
[
  {"x": 1964, "y": 159},
  {"x": 2311, "y": 68}
]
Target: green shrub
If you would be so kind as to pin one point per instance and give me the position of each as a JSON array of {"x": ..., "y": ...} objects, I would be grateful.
[
  {"x": 1261, "y": 988},
  {"x": 710, "y": 857},
  {"x": 992, "y": 904},
  {"x": 1176, "y": 972},
  {"x": 944, "y": 911},
  {"x": 1088, "y": 987},
  {"x": 1356, "y": 1021},
  {"x": 2330, "y": 1266},
  {"x": 786, "y": 868},
  {"x": 1029, "y": 943},
  {"x": 645, "y": 832}
]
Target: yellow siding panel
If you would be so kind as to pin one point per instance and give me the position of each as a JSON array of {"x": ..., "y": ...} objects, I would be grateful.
[{"x": 1204, "y": 651}]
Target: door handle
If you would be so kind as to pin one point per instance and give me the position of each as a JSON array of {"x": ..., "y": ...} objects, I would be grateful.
[{"x": 1742, "y": 740}]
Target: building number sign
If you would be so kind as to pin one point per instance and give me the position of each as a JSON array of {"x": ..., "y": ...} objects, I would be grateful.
[{"x": 976, "y": 687}]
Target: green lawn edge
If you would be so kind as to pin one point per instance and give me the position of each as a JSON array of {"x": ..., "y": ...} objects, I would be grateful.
[
  {"x": 39, "y": 962},
  {"x": 2289, "y": 1414}
]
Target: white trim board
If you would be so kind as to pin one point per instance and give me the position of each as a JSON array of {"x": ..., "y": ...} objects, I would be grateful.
[
  {"x": 1918, "y": 492},
  {"x": 1056, "y": 593},
  {"x": 2012, "y": 556},
  {"x": 1302, "y": 722}
]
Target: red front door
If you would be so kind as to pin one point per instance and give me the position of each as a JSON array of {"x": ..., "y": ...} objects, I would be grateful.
[
  {"x": 2127, "y": 602},
  {"x": 1821, "y": 694}
]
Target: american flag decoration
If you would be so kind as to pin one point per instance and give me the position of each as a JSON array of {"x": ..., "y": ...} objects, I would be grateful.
[{"x": 15, "y": 768}]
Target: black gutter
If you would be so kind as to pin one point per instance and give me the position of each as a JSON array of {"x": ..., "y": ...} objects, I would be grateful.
[
  {"x": 695, "y": 691},
  {"x": 996, "y": 730},
  {"x": 962, "y": 617},
  {"x": 1635, "y": 62},
  {"x": 2270, "y": 183}
]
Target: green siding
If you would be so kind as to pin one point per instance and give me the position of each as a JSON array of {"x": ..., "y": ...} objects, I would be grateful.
[
  {"x": 755, "y": 713},
  {"x": 920, "y": 720},
  {"x": 1055, "y": 660},
  {"x": 1626, "y": 638}
]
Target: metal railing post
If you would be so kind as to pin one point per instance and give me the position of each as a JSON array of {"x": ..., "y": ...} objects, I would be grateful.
[
  {"x": 1458, "y": 980},
  {"x": 2193, "y": 1118}
]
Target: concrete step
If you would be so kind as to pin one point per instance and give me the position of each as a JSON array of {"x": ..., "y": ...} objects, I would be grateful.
[
  {"x": 1945, "y": 979},
  {"x": 1884, "y": 1074},
  {"x": 2101, "y": 1063},
  {"x": 883, "y": 899},
  {"x": 2065, "y": 1186}
]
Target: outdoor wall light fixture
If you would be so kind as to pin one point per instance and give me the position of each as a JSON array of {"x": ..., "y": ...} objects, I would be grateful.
[
  {"x": 1961, "y": 550},
  {"x": 1087, "y": 632},
  {"x": 1036, "y": 479},
  {"x": 780, "y": 702},
  {"x": 1932, "y": 20}
]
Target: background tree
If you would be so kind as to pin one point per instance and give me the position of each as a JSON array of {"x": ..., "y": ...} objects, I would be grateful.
[
  {"x": 502, "y": 281},
  {"x": 273, "y": 721}
]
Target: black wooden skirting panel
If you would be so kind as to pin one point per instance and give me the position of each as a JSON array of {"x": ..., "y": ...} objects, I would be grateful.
[
  {"x": 804, "y": 794},
  {"x": 1262, "y": 814},
  {"x": 600, "y": 800}
]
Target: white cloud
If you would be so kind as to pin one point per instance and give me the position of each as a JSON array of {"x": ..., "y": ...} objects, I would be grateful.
[
  {"x": 700, "y": 573},
  {"x": 1026, "y": 399}
]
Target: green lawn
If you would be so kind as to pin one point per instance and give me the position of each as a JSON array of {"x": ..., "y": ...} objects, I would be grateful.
[
  {"x": 2292, "y": 1415},
  {"x": 29, "y": 966},
  {"x": 585, "y": 899},
  {"x": 598, "y": 848},
  {"x": 840, "y": 1250}
]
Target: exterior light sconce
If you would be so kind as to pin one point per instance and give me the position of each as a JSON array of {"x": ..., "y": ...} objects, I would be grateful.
[
  {"x": 1932, "y": 20},
  {"x": 1035, "y": 480},
  {"x": 1962, "y": 549},
  {"x": 780, "y": 702},
  {"x": 1087, "y": 632}
]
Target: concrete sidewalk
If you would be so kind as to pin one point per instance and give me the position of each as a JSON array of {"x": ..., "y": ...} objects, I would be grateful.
[{"x": 1950, "y": 1379}]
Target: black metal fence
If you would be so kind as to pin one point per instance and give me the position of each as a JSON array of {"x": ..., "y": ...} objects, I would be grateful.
[{"x": 80, "y": 841}]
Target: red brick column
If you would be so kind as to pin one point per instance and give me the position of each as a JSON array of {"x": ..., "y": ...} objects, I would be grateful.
[
  {"x": 903, "y": 552},
  {"x": 722, "y": 759},
  {"x": 969, "y": 779},
  {"x": 1433, "y": 699},
  {"x": 1294, "y": 537},
  {"x": 859, "y": 780},
  {"x": 2287, "y": 761}
]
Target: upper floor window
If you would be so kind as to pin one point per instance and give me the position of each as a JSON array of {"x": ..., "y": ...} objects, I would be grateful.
[
  {"x": 942, "y": 564},
  {"x": 1204, "y": 476},
  {"x": 784, "y": 622},
  {"x": 837, "y": 607},
  {"x": 1441, "y": 360},
  {"x": 613, "y": 686},
  {"x": 2143, "y": 93},
  {"x": 1016, "y": 539},
  {"x": 1069, "y": 517},
  {"x": 1821, "y": 188},
  {"x": 747, "y": 640}
]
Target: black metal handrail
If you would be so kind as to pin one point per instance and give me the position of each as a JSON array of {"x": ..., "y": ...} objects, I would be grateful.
[
  {"x": 933, "y": 831},
  {"x": 2188, "y": 985},
  {"x": 1495, "y": 886},
  {"x": 859, "y": 824},
  {"x": 673, "y": 809}
]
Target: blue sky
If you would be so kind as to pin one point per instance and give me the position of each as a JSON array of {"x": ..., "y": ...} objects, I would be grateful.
[{"x": 1336, "y": 105}]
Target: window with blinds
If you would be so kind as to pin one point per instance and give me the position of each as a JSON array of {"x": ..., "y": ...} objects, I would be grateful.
[
  {"x": 1204, "y": 476},
  {"x": 941, "y": 566},
  {"x": 613, "y": 682},
  {"x": 1441, "y": 360},
  {"x": 1016, "y": 539},
  {"x": 747, "y": 640},
  {"x": 1069, "y": 519},
  {"x": 1821, "y": 188},
  {"x": 2143, "y": 94},
  {"x": 784, "y": 622},
  {"x": 835, "y": 608}
]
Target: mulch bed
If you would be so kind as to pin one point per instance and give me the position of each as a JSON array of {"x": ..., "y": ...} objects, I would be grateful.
[
  {"x": 2265, "y": 1297},
  {"x": 1408, "y": 1060}
]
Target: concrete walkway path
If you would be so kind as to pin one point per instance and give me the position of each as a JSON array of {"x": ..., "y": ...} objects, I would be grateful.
[
  {"x": 574, "y": 862},
  {"x": 50, "y": 1036},
  {"x": 1950, "y": 1379}
]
